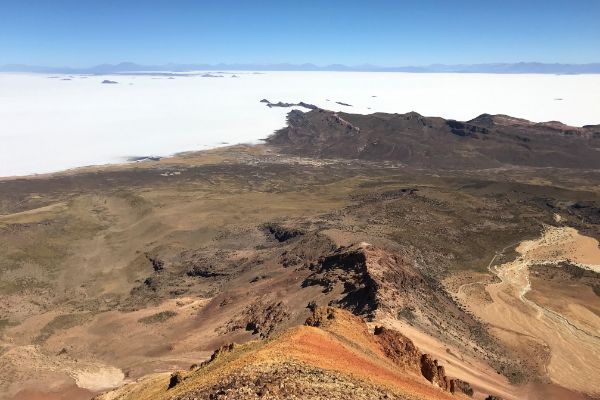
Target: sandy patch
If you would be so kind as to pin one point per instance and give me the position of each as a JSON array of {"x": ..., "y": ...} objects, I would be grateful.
[
  {"x": 98, "y": 378},
  {"x": 518, "y": 321},
  {"x": 30, "y": 363},
  {"x": 562, "y": 244}
]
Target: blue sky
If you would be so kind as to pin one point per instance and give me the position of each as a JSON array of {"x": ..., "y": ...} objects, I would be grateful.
[{"x": 386, "y": 33}]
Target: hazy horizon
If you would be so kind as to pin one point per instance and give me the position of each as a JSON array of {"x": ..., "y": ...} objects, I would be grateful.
[{"x": 494, "y": 68}]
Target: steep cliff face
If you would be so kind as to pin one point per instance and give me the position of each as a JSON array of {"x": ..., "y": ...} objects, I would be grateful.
[{"x": 375, "y": 282}]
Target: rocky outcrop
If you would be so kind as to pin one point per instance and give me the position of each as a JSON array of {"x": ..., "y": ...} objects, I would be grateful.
[
  {"x": 397, "y": 347},
  {"x": 465, "y": 129},
  {"x": 218, "y": 353},
  {"x": 402, "y": 351},
  {"x": 490, "y": 397},
  {"x": 157, "y": 264},
  {"x": 281, "y": 233},
  {"x": 319, "y": 316},
  {"x": 260, "y": 318},
  {"x": 175, "y": 379},
  {"x": 376, "y": 282},
  {"x": 434, "y": 373},
  {"x": 307, "y": 251},
  {"x": 346, "y": 271},
  {"x": 393, "y": 345}
]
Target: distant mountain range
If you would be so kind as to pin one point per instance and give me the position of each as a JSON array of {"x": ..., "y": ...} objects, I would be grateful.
[{"x": 496, "y": 68}]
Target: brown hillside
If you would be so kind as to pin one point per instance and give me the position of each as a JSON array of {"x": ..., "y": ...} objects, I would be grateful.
[
  {"x": 430, "y": 142},
  {"x": 333, "y": 357}
]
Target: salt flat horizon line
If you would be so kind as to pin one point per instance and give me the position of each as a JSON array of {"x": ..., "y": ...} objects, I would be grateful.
[{"x": 496, "y": 67}]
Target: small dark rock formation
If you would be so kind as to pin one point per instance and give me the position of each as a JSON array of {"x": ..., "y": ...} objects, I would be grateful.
[
  {"x": 320, "y": 315},
  {"x": 343, "y": 104},
  {"x": 284, "y": 105},
  {"x": 464, "y": 129},
  {"x": 280, "y": 233},
  {"x": 259, "y": 278},
  {"x": 158, "y": 317},
  {"x": 490, "y": 397},
  {"x": 109, "y": 82},
  {"x": 228, "y": 348},
  {"x": 143, "y": 158},
  {"x": 176, "y": 379},
  {"x": 203, "y": 271},
  {"x": 460, "y": 386},
  {"x": 433, "y": 372},
  {"x": 260, "y": 318},
  {"x": 157, "y": 264},
  {"x": 209, "y": 75}
]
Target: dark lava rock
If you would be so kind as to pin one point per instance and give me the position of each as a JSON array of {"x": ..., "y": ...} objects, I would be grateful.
[
  {"x": 176, "y": 379},
  {"x": 280, "y": 233},
  {"x": 460, "y": 386},
  {"x": 157, "y": 264}
]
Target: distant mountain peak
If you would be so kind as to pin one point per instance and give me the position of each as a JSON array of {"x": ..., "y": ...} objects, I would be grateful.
[{"x": 494, "y": 68}]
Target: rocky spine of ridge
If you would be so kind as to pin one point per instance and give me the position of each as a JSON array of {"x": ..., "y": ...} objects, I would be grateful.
[
  {"x": 399, "y": 349},
  {"x": 488, "y": 141},
  {"x": 396, "y": 347}
]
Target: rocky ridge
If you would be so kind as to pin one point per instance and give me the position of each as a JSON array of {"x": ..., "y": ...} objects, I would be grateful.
[
  {"x": 487, "y": 141},
  {"x": 332, "y": 357}
]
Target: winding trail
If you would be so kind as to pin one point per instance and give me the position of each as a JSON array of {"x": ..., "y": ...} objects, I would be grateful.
[
  {"x": 489, "y": 268},
  {"x": 574, "y": 351}
]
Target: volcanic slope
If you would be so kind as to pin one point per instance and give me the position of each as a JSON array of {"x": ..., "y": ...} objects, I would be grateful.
[{"x": 333, "y": 356}]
